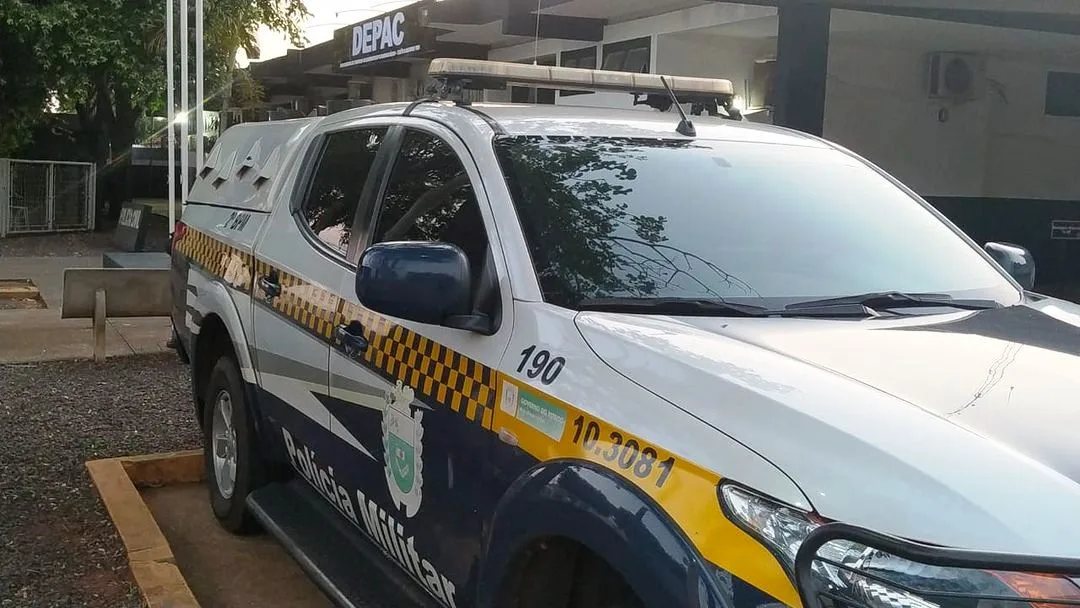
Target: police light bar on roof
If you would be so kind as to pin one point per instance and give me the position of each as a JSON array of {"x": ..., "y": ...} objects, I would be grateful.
[{"x": 479, "y": 74}]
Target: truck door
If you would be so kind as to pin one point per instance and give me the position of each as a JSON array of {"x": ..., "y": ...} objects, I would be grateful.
[
  {"x": 421, "y": 396},
  {"x": 300, "y": 264}
]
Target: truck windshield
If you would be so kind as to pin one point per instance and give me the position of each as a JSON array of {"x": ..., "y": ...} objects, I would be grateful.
[{"x": 608, "y": 217}]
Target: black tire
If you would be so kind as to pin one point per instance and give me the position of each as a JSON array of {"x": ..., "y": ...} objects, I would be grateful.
[{"x": 250, "y": 474}]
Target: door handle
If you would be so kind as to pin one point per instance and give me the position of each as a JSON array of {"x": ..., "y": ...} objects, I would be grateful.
[
  {"x": 352, "y": 338},
  {"x": 270, "y": 286}
]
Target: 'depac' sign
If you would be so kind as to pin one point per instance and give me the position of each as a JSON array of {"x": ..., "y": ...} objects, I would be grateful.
[{"x": 387, "y": 36}]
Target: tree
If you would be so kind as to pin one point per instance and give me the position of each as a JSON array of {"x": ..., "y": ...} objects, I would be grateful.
[
  {"x": 24, "y": 88},
  {"x": 105, "y": 61}
]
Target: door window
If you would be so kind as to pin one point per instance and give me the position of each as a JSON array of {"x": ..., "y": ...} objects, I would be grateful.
[
  {"x": 337, "y": 183},
  {"x": 429, "y": 198}
]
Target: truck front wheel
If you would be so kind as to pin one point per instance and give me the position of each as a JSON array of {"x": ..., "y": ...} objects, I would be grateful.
[
  {"x": 560, "y": 573},
  {"x": 234, "y": 467}
]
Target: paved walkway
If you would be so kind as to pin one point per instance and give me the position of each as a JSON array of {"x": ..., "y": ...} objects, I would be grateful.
[
  {"x": 41, "y": 335},
  {"x": 47, "y": 273}
]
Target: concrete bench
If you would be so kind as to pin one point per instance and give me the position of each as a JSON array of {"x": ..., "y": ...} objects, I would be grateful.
[
  {"x": 98, "y": 293},
  {"x": 141, "y": 259}
]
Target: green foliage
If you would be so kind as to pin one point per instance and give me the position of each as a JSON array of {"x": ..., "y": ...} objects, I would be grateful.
[
  {"x": 105, "y": 60},
  {"x": 581, "y": 233},
  {"x": 23, "y": 87}
]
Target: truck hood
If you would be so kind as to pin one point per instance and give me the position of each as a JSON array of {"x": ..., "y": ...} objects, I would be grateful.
[{"x": 924, "y": 404}]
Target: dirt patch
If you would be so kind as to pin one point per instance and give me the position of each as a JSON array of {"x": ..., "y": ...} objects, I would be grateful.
[
  {"x": 214, "y": 561},
  {"x": 57, "y": 545},
  {"x": 19, "y": 294},
  {"x": 68, "y": 244},
  {"x": 21, "y": 303},
  {"x": 80, "y": 244}
]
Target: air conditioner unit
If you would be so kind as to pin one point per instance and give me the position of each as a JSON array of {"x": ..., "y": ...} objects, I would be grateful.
[{"x": 955, "y": 76}]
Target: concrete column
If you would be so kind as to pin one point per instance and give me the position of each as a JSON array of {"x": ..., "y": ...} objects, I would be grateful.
[
  {"x": 418, "y": 79},
  {"x": 802, "y": 59},
  {"x": 384, "y": 90},
  {"x": 359, "y": 89}
]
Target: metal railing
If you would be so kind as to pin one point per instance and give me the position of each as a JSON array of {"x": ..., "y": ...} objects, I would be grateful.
[{"x": 46, "y": 196}]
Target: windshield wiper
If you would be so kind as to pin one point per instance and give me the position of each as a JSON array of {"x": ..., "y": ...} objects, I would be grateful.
[
  {"x": 674, "y": 306},
  {"x": 859, "y": 306},
  {"x": 886, "y": 300}
]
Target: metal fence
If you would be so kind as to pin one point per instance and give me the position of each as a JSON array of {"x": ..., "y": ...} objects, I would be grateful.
[{"x": 45, "y": 196}]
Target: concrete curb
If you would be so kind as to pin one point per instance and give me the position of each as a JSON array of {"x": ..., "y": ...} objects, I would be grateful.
[{"x": 117, "y": 480}]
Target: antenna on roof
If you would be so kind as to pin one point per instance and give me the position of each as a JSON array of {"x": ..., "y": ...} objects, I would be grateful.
[{"x": 685, "y": 126}]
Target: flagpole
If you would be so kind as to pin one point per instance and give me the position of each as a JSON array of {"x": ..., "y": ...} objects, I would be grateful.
[
  {"x": 185, "y": 99},
  {"x": 200, "y": 126},
  {"x": 170, "y": 69}
]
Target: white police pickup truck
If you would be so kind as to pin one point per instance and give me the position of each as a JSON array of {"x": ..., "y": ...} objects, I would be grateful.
[{"x": 563, "y": 357}]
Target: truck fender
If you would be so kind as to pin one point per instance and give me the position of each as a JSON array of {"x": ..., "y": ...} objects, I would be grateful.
[
  {"x": 213, "y": 297},
  {"x": 598, "y": 509}
]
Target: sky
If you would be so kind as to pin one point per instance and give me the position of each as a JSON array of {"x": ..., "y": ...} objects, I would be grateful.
[{"x": 326, "y": 16}]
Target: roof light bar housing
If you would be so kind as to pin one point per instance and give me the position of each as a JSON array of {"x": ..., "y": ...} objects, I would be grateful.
[
  {"x": 452, "y": 77},
  {"x": 480, "y": 74}
]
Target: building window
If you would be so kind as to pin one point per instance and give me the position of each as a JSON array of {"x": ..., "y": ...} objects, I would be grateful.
[
  {"x": 581, "y": 58},
  {"x": 533, "y": 94},
  {"x": 628, "y": 56},
  {"x": 1062, "y": 94}
]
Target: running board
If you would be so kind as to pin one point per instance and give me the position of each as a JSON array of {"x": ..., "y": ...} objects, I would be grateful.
[{"x": 348, "y": 568}]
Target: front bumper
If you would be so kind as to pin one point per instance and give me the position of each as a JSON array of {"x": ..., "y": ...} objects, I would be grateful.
[{"x": 852, "y": 584}]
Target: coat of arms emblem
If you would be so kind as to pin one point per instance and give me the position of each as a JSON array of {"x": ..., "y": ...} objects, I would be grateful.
[{"x": 402, "y": 449}]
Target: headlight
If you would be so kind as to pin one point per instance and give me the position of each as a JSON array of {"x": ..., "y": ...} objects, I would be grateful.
[
  {"x": 847, "y": 567},
  {"x": 782, "y": 528}
]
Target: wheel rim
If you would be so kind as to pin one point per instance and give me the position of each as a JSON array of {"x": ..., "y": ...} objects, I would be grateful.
[{"x": 223, "y": 436}]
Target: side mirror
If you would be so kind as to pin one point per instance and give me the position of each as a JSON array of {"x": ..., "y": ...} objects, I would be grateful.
[
  {"x": 418, "y": 281},
  {"x": 1016, "y": 260}
]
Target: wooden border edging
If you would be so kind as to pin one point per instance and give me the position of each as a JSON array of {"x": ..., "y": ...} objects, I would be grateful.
[{"x": 117, "y": 480}]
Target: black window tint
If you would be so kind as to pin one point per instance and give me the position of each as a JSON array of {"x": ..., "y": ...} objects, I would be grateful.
[
  {"x": 338, "y": 181},
  {"x": 429, "y": 198}
]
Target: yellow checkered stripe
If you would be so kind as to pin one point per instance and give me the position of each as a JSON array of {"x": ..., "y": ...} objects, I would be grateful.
[
  {"x": 437, "y": 374},
  {"x": 232, "y": 265},
  {"x": 203, "y": 250},
  {"x": 311, "y": 307}
]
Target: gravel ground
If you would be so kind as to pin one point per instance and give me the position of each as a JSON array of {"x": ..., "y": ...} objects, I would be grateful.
[
  {"x": 80, "y": 243},
  {"x": 63, "y": 244},
  {"x": 57, "y": 546}
]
